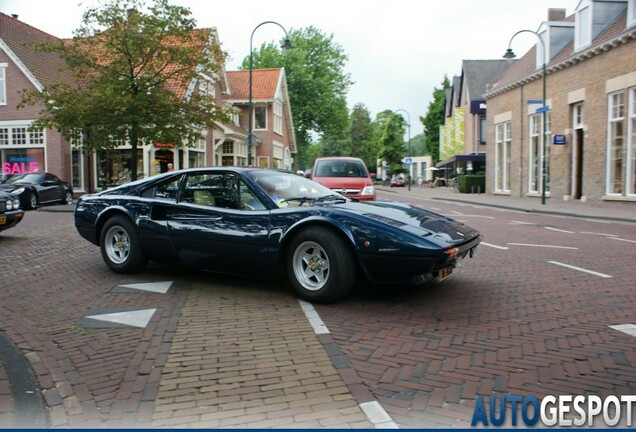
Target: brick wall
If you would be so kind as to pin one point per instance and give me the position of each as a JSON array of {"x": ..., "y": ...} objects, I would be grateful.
[{"x": 589, "y": 78}]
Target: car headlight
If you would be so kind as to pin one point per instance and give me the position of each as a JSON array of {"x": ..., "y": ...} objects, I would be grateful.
[
  {"x": 17, "y": 191},
  {"x": 16, "y": 203},
  {"x": 9, "y": 205},
  {"x": 368, "y": 190}
]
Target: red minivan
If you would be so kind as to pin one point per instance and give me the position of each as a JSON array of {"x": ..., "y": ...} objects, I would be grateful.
[{"x": 346, "y": 175}]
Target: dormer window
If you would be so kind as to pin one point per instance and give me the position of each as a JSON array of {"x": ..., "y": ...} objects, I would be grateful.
[
  {"x": 583, "y": 23},
  {"x": 631, "y": 13},
  {"x": 542, "y": 56}
]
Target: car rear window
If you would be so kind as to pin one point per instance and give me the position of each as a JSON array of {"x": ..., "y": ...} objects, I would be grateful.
[{"x": 340, "y": 168}]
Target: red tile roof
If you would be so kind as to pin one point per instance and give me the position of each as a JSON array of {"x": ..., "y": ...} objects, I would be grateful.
[
  {"x": 264, "y": 84},
  {"x": 21, "y": 39}
]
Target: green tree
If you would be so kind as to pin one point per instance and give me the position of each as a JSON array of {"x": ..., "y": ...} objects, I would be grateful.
[
  {"x": 132, "y": 62},
  {"x": 391, "y": 140},
  {"x": 363, "y": 144},
  {"x": 434, "y": 118},
  {"x": 316, "y": 82}
]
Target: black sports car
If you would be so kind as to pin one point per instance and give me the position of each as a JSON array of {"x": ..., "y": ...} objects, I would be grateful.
[
  {"x": 38, "y": 188},
  {"x": 268, "y": 223},
  {"x": 10, "y": 213}
]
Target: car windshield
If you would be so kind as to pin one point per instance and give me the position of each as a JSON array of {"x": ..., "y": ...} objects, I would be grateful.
[
  {"x": 26, "y": 178},
  {"x": 285, "y": 186},
  {"x": 340, "y": 168}
]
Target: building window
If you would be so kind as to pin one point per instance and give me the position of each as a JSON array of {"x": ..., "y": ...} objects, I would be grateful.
[
  {"x": 260, "y": 118},
  {"x": 228, "y": 147},
  {"x": 616, "y": 151},
  {"x": 3, "y": 83},
  {"x": 502, "y": 157},
  {"x": 278, "y": 117},
  {"x": 583, "y": 27},
  {"x": 482, "y": 129},
  {"x": 631, "y": 143}
]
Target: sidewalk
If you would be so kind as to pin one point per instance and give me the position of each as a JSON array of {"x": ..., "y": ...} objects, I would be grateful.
[{"x": 606, "y": 210}]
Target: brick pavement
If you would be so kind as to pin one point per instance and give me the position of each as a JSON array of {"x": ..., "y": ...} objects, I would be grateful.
[{"x": 273, "y": 371}]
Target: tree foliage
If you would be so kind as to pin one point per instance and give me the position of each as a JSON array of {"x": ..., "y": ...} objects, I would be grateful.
[
  {"x": 364, "y": 142},
  {"x": 391, "y": 140},
  {"x": 434, "y": 118},
  {"x": 131, "y": 62},
  {"x": 317, "y": 85}
]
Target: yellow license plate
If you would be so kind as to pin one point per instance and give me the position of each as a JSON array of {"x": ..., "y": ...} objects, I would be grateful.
[
  {"x": 3, "y": 220},
  {"x": 445, "y": 273}
]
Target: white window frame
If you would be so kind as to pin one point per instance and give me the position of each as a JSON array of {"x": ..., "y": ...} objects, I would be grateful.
[
  {"x": 615, "y": 116},
  {"x": 503, "y": 146},
  {"x": 631, "y": 144},
  {"x": 3, "y": 83},
  {"x": 256, "y": 108},
  {"x": 278, "y": 117},
  {"x": 583, "y": 26},
  {"x": 631, "y": 13}
]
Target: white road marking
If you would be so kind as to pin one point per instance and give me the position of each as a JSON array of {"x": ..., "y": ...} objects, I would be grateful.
[
  {"x": 559, "y": 230},
  {"x": 456, "y": 212},
  {"x": 134, "y": 318},
  {"x": 156, "y": 287},
  {"x": 314, "y": 319},
  {"x": 603, "y": 275},
  {"x": 543, "y": 246},
  {"x": 601, "y": 234},
  {"x": 621, "y": 239},
  {"x": 373, "y": 410},
  {"x": 478, "y": 216},
  {"x": 378, "y": 416},
  {"x": 494, "y": 246},
  {"x": 630, "y": 329},
  {"x": 521, "y": 222}
]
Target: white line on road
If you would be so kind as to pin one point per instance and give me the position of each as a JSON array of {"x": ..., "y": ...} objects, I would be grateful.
[
  {"x": 601, "y": 234},
  {"x": 543, "y": 246},
  {"x": 630, "y": 329},
  {"x": 521, "y": 223},
  {"x": 313, "y": 318},
  {"x": 494, "y": 246},
  {"x": 377, "y": 415},
  {"x": 603, "y": 275},
  {"x": 621, "y": 239},
  {"x": 559, "y": 230}
]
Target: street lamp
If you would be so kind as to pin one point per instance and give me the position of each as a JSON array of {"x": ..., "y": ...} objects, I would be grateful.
[
  {"x": 286, "y": 46},
  {"x": 510, "y": 55},
  {"x": 408, "y": 177}
]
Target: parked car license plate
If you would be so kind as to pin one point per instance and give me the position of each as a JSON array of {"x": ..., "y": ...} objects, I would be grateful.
[
  {"x": 445, "y": 273},
  {"x": 3, "y": 220}
]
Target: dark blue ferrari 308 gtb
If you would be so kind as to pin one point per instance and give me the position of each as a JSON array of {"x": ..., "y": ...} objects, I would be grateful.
[{"x": 266, "y": 224}]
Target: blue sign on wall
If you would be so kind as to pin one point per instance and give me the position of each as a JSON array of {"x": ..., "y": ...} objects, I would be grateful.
[{"x": 559, "y": 139}]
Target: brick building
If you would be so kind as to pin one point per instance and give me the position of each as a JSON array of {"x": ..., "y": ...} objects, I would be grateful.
[
  {"x": 590, "y": 119},
  {"x": 22, "y": 66}
]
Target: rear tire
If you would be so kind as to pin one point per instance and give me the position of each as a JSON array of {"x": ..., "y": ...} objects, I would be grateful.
[
  {"x": 320, "y": 265},
  {"x": 120, "y": 246}
]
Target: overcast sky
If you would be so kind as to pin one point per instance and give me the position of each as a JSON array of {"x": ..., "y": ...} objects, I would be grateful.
[{"x": 399, "y": 50}]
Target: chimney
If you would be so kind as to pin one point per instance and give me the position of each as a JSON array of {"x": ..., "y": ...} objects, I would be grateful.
[
  {"x": 556, "y": 14},
  {"x": 14, "y": 16}
]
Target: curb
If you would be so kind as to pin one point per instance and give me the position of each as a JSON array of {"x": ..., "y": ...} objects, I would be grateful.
[{"x": 29, "y": 409}]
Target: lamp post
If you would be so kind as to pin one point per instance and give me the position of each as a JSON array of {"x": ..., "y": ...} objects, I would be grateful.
[
  {"x": 544, "y": 167},
  {"x": 286, "y": 47},
  {"x": 408, "y": 177}
]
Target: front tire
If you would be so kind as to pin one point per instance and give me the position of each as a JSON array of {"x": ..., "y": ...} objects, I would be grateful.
[
  {"x": 120, "y": 246},
  {"x": 320, "y": 265},
  {"x": 32, "y": 201}
]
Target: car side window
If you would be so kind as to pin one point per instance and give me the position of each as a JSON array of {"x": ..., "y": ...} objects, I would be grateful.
[
  {"x": 167, "y": 190},
  {"x": 249, "y": 200}
]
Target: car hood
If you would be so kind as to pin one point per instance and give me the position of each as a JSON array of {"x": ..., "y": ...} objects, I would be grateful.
[
  {"x": 413, "y": 219},
  {"x": 11, "y": 187}
]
